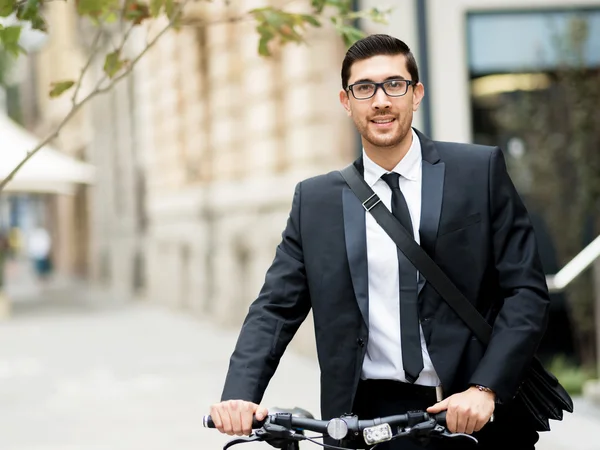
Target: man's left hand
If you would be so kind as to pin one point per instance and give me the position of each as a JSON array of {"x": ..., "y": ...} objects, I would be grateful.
[{"x": 468, "y": 411}]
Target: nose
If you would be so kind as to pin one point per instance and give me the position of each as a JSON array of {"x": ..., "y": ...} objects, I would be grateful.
[{"x": 381, "y": 100}]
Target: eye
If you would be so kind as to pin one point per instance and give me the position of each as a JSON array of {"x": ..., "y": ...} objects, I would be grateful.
[{"x": 363, "y": 87}]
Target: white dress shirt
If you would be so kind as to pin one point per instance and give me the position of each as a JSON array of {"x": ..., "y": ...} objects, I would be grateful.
[{"x": 384, "y": 353}]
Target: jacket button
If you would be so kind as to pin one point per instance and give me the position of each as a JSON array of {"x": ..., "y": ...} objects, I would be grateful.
[{"x": 360, "y": 342}]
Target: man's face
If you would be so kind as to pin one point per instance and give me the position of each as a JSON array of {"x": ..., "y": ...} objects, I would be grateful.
[{"x": 383, "y": 121}]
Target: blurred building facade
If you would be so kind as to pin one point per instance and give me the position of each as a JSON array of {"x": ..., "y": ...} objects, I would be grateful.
[
  {"x": 199, "y": 149},
  {"x": 62, "y": 58},
  {"x": 52, "y": 57},
  {"x": 198, "y": 154}
]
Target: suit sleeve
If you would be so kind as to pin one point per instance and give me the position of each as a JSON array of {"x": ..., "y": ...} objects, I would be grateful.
[
  {"x": 522, "y": 319},
  {"x": 273, "y": 318}
]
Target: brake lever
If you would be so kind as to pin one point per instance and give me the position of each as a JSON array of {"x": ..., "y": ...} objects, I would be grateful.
[
  {"x": 422, "y": 429},
  {"x": 242, "y": 440},
  {"x": 447, "y": 434},
  {"x": 272, "y": 431},
  {"x": 440, "y": 431},
  {"x": 274, "y": 435},
  {"x": 278, "y": 436}
]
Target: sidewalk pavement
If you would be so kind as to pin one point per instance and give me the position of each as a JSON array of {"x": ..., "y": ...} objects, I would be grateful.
[{"x": 82, "y": 371}]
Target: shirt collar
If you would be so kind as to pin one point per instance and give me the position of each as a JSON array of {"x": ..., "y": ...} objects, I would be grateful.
[{"x": 409, "y": 167}]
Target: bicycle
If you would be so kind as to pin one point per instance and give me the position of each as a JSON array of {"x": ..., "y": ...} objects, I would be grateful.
[{"x": 285, "y": 428}]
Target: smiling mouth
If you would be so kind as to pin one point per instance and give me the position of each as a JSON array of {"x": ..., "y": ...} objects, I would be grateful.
[{"x": 383, "y": 121}]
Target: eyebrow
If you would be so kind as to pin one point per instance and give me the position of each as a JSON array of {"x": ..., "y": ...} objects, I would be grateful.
[{"x": 368, "y": 80}]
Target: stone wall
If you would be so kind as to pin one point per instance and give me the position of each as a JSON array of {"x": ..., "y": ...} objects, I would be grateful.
[{"x": 220, "y": 136}]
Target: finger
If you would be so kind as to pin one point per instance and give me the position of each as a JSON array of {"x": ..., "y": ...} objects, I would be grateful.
[
  {"x": 479, "y": 425},
  {"x": 482, "y": 422},
  {"x": 226, "y": 420},
  {"x": 216, "y": 418},
  {"x": 246, "y": 420},
  {"x": 451, "y": 420},
  {"x": 261, "y": 413},
  {"x": 238, "y": 428},
  {"x": 470, "y": 425},
  {"x": 236, "y": 417},
  {"x": 439, "y": 406},
  {"x": 462, "y": 418}
]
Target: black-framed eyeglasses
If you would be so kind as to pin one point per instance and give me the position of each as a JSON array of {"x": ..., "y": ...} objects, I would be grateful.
[{"x": 364, "y": 90}]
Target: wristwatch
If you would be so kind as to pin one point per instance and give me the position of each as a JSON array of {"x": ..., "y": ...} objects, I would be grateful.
[{"x": 486, "y": 389}]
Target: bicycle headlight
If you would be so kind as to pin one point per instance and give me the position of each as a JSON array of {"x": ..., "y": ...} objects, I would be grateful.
[
  {"x": 377, "y": 434},
  {"x": 337, "y": 429}
]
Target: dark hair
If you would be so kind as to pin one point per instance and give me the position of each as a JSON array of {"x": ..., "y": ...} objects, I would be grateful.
[{"x": 375, "y": 45}]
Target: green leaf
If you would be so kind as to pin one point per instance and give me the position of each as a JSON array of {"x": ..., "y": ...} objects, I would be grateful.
[
  {"x": 113, "y": 63},
  {"x": 170, "y": 8},
  {"x": 136, "y": 11},
  {"x": 318, "y": 5},
  {"x": 38, "y": 23},
  {"x": 380, "y": 16},
  {"x": 311, "y": 20},
  {"x": 349, "y": 34},
  {"x": 10, "y": 35},
  {"x": 266, "y": 35},
  {"x": 343, "y": 6},
  {"x": 111, "y": 17},
  {"x": 275, "y": 24},
  {"x": 155, "y": 7},
  {"x": 276, "y": 18},
  {"x": 174, "y": 13},
  {"x": 59, "y": 87},
  {"x": 28, "y": 10},
  {"x": 288, "y": 32},
  {"x": 265, "y": 31},
  {"x": 374, "y": 15},
  {"x": 263, "y": 47},
  {"x": 9, "y": 38},
  {"x": 7, "y": 7},
  {"x": 96, "y": 8}
]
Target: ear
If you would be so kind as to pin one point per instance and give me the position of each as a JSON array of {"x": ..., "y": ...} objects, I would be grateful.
[
  {"x": 418, "y": 94},
  {"x": 345, "y": 101}
]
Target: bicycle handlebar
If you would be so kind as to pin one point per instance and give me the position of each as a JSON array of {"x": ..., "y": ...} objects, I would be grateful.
[{"x": 338, "y": 428}]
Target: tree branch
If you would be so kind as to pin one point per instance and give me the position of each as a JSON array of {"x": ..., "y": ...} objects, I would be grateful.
[
  {"x": 175, "y": 18},
  {"x": 77, "y": 106},
  {"x": 93, "y": 53},
  {"x": 134, "y": 61}
]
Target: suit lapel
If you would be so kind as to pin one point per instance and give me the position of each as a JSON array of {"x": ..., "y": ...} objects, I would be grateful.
[
  {"x": 355, "y": 232},
  {"x": 431, "y": 207},
  {"x": 432, "y": 193}
]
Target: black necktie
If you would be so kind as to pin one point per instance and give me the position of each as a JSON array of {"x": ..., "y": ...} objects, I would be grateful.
[{"x": 412, "y": 358}]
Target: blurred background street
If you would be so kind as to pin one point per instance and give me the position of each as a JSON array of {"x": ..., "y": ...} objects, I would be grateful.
[{"x": 134, "y": 240}]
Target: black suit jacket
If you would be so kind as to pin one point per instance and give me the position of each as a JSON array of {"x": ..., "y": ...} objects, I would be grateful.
[{"x": 473, "y": 224}]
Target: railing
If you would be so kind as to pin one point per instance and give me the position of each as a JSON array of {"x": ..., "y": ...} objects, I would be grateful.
[{"x": 575, "y": 267}]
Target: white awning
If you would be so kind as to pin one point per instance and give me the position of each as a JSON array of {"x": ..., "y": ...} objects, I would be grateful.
[{"x": 48, "y": 171}]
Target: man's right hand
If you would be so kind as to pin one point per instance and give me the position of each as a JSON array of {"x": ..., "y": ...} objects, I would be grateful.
[{"x": 234, "y": 417}]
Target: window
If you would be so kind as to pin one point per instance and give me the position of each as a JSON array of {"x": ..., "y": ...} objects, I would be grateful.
[
  {"x": 518, "y": 56},
  {"x": 535, "y": 87},
  {"x": 525, "y": 42}
]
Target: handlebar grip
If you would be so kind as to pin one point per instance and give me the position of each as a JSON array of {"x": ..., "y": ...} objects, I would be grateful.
[
  {"x": 207, "y": 422},
  {"x": 441, "y": 418}
]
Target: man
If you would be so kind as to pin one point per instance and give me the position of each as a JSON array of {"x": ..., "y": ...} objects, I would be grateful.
[{"x": 335, "y": 259}]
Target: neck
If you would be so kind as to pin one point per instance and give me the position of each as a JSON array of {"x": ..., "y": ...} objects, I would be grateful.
[{"x": 388, "y": 157}]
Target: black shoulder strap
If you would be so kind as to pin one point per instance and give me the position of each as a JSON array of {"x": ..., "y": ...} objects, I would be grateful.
[{"x": 415, "y": 254}]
